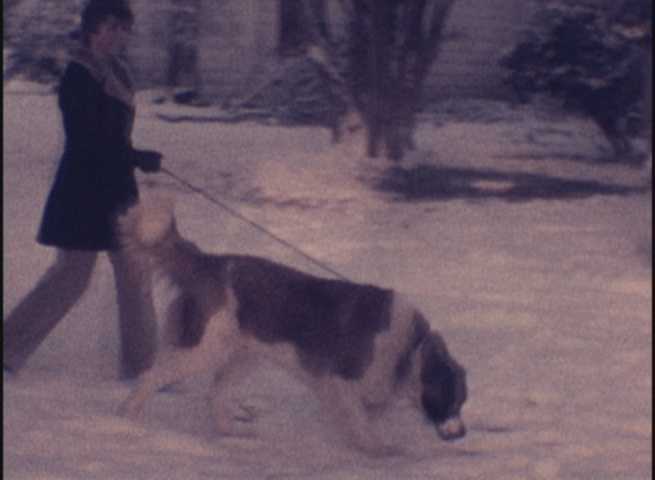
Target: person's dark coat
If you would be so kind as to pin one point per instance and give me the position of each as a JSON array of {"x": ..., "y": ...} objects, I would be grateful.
[{"x": 95, "y": 179}]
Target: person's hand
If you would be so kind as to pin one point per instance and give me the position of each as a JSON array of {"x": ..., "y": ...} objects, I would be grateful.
[{"x": 148, "y": 160}]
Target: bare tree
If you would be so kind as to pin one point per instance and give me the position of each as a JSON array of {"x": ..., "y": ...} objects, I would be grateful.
[
  {"x": 390, "y": 47},
  {"x": 183, "y": 70},
  {"x": 292, "y": 34},
  {"x": 38, "y": 37}
]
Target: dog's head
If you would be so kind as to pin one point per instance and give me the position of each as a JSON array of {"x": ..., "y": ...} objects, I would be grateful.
[{"x": 443, "y": 388}]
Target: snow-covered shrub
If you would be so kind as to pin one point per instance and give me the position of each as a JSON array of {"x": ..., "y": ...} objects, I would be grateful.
[
  {"x": 39, "y": 36},
  {"x": 592, "y": 57}
]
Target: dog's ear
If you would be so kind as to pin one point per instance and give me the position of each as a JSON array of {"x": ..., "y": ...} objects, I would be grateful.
[
  {"x": 156, "y": 218},
  {"x": 154, "y": 200},
  {"x": 443, "y": 381},
  {"x": 148, "y": 222}
]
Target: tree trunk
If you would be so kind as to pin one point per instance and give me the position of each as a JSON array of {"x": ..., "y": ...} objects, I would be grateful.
[
  {"x": 183, "y": 30},
  {"x": 392, "y": 45},
  {"x": 292, "y": 37}
]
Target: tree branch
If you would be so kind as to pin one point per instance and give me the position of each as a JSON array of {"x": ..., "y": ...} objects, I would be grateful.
[{"x": 439, "y": 16}]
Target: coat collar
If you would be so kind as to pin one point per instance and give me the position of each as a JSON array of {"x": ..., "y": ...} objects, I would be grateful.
[{"x": 112, "y": 73}]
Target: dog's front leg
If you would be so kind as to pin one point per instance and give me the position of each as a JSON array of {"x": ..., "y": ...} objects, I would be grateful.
[
  {"x": 176, "y": 366},
  {"x": 343, "y": 398},
  {"x": 213, "y": 351}
]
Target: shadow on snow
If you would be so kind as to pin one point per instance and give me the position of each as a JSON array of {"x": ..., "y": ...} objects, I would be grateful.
[{"x": 425, "y": 182}]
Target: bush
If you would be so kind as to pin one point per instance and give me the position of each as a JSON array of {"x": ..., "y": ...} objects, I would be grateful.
[
  {"x": 38, "y": 35},
  {"x": 589, "y": 56}
]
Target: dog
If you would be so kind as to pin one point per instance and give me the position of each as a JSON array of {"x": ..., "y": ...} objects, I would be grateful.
[{"x": 358, "y": 347}]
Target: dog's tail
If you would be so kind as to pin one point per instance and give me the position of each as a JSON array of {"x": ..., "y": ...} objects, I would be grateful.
[{"x": 146, "y": 224}]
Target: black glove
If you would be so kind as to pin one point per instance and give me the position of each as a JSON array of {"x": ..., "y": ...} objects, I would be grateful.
[{"x": 147, "y": 160}]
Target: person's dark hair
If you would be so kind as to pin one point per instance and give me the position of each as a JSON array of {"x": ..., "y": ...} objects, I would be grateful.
[{"x": 97, "y": 11}]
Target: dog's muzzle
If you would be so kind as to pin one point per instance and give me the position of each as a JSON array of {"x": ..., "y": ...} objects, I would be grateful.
[{"x": 451, "y": 429}]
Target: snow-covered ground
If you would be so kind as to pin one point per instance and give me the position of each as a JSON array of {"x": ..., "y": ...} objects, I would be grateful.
[{"x": 544, "y": 296}]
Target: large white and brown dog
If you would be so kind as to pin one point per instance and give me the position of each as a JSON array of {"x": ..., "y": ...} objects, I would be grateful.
[{"x": 357, "y": 346}]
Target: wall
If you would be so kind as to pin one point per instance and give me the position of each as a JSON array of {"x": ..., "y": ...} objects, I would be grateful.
[
  {"x": 477, "y": 33},
  {"x": 147, "y": 48},
  {"x": 238, "y": 40}
]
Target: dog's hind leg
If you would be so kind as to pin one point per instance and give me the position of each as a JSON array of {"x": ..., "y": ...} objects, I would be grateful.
[
  {"x": 232, "y": 417},
  {"x": 214, "y": 351}
]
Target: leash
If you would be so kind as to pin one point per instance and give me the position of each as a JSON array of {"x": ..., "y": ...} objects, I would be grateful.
[{"x": 235, "y": 213}]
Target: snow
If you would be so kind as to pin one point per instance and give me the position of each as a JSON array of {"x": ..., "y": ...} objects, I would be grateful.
[{"x": 545, "y": 300}]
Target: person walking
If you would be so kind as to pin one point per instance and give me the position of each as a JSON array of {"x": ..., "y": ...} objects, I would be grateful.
[{"x": 95, "y": 182}]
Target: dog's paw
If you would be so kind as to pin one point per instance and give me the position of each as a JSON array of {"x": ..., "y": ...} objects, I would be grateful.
[
  {"x": 235, "y": 428},
  {"x": 382, "y": 451},
  {"x": 375, "y": 447},
  {"x": 236, "y": 421},
  {"x": 245, "y": 413},
  {"x": 130, "y": 410}
]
